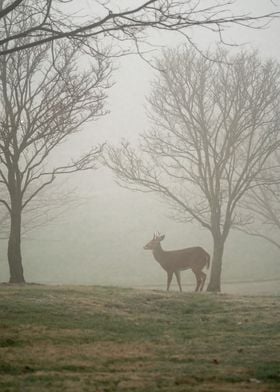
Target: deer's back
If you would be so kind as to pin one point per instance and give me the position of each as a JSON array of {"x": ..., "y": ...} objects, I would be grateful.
[{"x": 182, "y": 259}]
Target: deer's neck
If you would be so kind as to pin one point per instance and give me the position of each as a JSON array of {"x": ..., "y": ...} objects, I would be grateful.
[{"x": 158, "y": 254}]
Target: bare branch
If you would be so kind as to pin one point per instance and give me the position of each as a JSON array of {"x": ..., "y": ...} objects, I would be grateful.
[
  {"x": 53, "y": 22},
  {"x": 262, "y": 203},
  {"x": 9, "y": 8}
]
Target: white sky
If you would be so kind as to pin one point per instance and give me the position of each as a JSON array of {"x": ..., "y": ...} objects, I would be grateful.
[{"x": 85, "y": 240}]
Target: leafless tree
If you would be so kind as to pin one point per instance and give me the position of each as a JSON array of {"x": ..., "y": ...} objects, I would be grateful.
[
  {"x": 214, "y": 126},
  {"x": 46, "y": 97},
  {"x": 58, "y": 19}
]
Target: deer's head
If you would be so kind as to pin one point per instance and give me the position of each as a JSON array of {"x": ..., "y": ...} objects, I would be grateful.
[{"x": 154, "y": 243}]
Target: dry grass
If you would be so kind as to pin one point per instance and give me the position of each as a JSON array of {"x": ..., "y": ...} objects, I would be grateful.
[{"x": 110, "y": 339}]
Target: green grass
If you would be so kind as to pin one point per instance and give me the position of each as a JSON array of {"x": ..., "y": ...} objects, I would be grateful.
[{"x": 111, "y": 339}]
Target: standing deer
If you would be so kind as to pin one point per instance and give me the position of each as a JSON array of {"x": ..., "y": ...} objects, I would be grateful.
[{"x": 174, "y": 261}]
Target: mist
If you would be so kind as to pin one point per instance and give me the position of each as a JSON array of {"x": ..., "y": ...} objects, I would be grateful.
[{"x": 99, "y": 239}]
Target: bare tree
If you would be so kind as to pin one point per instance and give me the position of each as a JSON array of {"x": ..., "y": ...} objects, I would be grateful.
[
  {"x": 58, "y": 19},
  {"x": 46, "y": 97},
  {"x": 215, "y": 124}
]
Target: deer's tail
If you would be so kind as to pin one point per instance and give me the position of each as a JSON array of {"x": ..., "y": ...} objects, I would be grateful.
[{"x": 207, "y": 259}]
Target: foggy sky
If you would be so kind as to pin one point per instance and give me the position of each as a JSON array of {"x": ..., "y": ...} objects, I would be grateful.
[{"x": 101, "y": 240}]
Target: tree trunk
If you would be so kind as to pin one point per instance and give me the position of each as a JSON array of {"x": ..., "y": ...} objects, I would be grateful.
[
  {"x": 216, "y": 266},
  {"x": 14, "y": 245}
]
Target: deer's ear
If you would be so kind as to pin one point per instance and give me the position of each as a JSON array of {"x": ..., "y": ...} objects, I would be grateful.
[{"x": 162, "y": 237}]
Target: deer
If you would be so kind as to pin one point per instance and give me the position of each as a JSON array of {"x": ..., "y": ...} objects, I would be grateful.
[{"x": 175, "y": 261}]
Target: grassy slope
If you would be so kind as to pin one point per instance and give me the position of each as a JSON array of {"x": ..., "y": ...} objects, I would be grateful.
[{"x": 111, "y": 339}]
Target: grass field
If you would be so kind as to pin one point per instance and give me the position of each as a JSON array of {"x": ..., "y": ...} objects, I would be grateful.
[{"x": 112, "y": 339}]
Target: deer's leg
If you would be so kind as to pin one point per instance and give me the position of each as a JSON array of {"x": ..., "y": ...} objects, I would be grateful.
[
  {"x": 169, "y": 278},
  {"x": 178, "y": 277},
  {"x": 198, "y": 280},
  {"x": 203, "y": 278}
]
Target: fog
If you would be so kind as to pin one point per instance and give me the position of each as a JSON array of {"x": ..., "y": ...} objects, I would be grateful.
[{"x": 99, "y": 240}]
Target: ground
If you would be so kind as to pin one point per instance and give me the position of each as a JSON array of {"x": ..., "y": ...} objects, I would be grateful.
[{"x": 102, "y": 339}]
